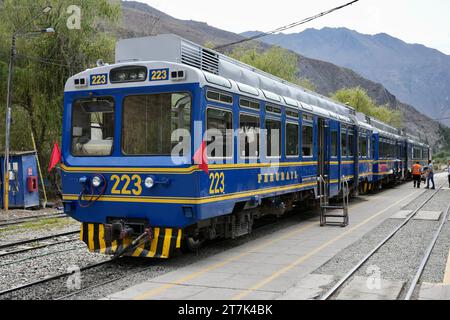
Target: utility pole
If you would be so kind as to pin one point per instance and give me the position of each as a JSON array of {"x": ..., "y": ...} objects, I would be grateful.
[
  {"x": 8, "y": 123},
  {"x": 12, "y": 58}
]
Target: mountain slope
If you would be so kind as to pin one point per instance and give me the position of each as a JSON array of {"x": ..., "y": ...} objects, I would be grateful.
[
  {"x": 416, "y": 74},
  {"x": 139, "y": 19}
]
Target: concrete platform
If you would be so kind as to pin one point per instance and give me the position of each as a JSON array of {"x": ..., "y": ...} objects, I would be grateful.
[
  {"x": 402, "y": 214},
  {"x": 308, "y": 288},
  {"x": 434, "y": 291},
  {"x": 428, "y": 215},
  {"x": 274, "y": 265},
  {"x": 363, "y": 288}
]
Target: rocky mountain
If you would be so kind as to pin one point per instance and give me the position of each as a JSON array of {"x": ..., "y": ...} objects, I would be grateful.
[
  {"x": 416, "y": 74},
  {"x": 139, "y": 19}
]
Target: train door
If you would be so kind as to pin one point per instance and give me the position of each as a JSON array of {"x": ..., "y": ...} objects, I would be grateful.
[
  {"x": 354, "y": 152},
  {"x": 335, "y": 169},
  {"x": 323, "y": 152}
]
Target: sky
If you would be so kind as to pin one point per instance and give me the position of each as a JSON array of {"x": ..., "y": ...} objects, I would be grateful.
[{"x": 414, "y": 21}]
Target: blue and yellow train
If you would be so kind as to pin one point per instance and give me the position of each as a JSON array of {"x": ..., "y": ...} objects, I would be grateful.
[{"x": 131, "y": 131}]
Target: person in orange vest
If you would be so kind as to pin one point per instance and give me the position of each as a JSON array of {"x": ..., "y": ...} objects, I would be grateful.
[{"x": 417, "y": 173}]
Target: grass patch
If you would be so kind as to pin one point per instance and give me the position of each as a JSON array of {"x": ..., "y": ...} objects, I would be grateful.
[{"x": 39, "y": 224}]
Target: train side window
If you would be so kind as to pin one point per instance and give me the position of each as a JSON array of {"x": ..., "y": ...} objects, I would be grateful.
[
  {"x": 373, "y": 147},
  {"x": 249, "y": 130},
  {"x": 251, "y": 104},
  {"x": 273, "y": 138},
  {"x": 219, "y": 97},
  {"x": 334, "y": 143},
  {"x": 307, "y": 140},
  {"x": 344, "y": 151},
  {"x": 219, "y": 134},
  {"x": 149, "y": 121},
  {"x": 351, "y": 145},
  {"x": 363, "y": 146},
  {"x": 292, "y": 144}
]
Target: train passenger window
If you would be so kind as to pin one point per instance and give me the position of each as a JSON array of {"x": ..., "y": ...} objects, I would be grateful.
[
  {"x": 93, "y": 126},
  {"x": 344, "y": 150},
  {"x": 307, "y": 140},
  {"x": 219, "y": 97},
  {"x": 292, "y": 139},
  {"x": 372, "y": 150},
  {"x": 417, "y": 153},
  {"x": 273, "y": 109},
  {"x": 249, "y": 136},
  {"x": 244, "y": 103},
  {"x": 293, "y": 114},
  {"x": 149, "y": 121},
  {"x": 219, "y": 137},
  {"x": 351, "y": 145},
  {"x": 334, "y": 143},
  {"x": 273, "y": 138},
  {"x": 363, "y": 146}
]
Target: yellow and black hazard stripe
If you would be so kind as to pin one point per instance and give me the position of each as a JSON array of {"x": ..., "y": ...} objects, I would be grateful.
[{"x": 165, "y": 241}]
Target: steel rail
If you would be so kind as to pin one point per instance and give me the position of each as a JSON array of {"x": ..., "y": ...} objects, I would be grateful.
[
  {"x": 426, "y": 256},
  {"x": 8, "y": 253},
  {"x": 339, "y": 284},
  {"x": 54, "y": 277},
  {"x": 18, "y": 243}
]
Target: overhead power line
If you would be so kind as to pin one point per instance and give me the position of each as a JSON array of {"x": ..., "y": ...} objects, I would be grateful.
[{"x": 289, "y": 26}]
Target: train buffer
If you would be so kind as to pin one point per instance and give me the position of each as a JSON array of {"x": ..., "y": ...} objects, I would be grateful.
[{"x": 333, "y": 211}]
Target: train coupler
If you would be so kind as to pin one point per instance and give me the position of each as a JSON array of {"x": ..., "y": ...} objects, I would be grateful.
[{"x": 141, "y": 240}]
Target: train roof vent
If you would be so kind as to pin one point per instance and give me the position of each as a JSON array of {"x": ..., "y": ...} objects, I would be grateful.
[{"x": 198, "y": 57}]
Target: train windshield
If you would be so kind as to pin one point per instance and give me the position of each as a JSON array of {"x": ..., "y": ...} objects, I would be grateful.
[
  {"x": 93, "y": 126},
  {"x": 150, "y": 120}
]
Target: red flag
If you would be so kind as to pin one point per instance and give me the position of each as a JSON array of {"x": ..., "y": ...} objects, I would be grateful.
[
  {"x": 200, "y": 157},
  {"x": 55, "y": 157}
]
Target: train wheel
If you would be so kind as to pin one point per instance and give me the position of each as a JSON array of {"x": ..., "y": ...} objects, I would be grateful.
[{"x": 191, "y": 244}]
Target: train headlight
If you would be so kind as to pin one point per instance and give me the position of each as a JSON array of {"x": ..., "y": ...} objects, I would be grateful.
[
  {"x": 128, "y": 74},
  {"x": 96, "y": 181},
  {"x": 149, "y": 182}
]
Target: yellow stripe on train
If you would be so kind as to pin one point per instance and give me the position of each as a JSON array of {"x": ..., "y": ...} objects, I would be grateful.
[{"x": 165, "y": 241}]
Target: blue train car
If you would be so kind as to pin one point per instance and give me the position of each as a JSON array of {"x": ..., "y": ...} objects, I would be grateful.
[{"x": 175, "y": 144}]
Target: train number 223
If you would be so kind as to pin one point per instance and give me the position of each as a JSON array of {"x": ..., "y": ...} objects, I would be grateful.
[
  {"x": 131, "y": 185},
  {"x": 217, "y": 182},
  {"x": 159, "y": 74}
]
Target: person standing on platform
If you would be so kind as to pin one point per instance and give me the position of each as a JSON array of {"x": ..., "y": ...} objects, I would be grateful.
[
  {"x": 448, "y": 169},
  {"x": 430, "y": 175},
  {"x": 416, "y": 173}
]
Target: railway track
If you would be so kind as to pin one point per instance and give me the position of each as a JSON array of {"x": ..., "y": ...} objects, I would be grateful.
[
  {"x": 53, "y": 277},
  {"x": 17, "y": 247},
  {"x": 96, "y": 275},
  {"x": 15, "y": 221},
  {"x": 415, "y": 280}
]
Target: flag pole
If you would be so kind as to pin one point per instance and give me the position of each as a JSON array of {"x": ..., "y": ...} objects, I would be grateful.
[{"x": 39, "y": 169}]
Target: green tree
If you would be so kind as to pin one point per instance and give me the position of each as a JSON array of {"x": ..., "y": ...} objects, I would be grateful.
[
  {"x": 276, "y": 61},
  {"x": 360, "y": 100},
  {"x": 44, "y": 63}
]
